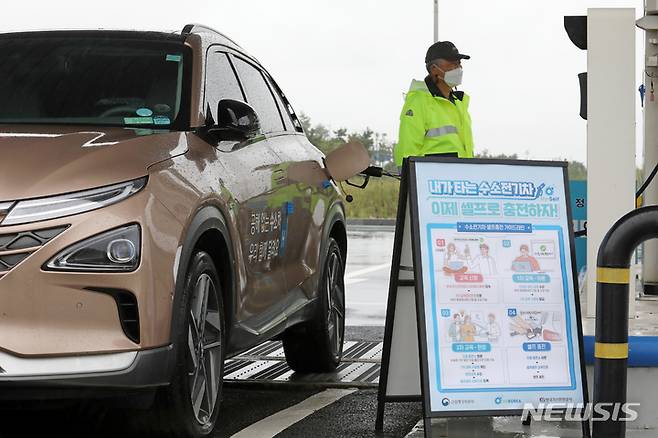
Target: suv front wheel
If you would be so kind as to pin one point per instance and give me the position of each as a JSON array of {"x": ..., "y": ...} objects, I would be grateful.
[{"x": 189, "y": 407}]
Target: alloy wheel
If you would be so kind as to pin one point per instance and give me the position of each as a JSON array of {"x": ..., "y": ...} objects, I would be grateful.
[
  {"x": 335, "y": 291},
  {"x": 205, "y": 349}
]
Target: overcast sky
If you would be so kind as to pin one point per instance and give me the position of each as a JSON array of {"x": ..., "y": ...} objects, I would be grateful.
[{"x": 347, "y": 63}]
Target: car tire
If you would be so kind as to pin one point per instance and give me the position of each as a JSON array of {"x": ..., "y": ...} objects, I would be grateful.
[
  {"x": 189, "y": 406},
  {"x": 317, "y": 345}
]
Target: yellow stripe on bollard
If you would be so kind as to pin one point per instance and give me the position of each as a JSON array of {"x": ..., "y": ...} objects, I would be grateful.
[
  {"x": 613, "y": 275},
  {"x": 610, "y": 351}
]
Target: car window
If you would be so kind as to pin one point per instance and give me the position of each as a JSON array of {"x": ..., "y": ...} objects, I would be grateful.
[
  {"x": 259, "y": 96},
  {"x": 93, "y": 81},
  {"x": 287, "y": 121},
  {"x": 286, "y": 106},
  {"x": 221, "y": 82}
]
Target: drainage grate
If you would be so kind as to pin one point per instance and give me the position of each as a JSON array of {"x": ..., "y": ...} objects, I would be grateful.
[{"x": 266, "y": 363}]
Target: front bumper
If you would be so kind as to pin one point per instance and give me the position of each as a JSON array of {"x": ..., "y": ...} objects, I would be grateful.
[
  {"x": 56, "y": 314},
  {"x": 146, "y": 369}
]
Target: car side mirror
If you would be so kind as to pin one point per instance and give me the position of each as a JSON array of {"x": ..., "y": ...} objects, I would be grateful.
[{"x": 236, "y": 121}]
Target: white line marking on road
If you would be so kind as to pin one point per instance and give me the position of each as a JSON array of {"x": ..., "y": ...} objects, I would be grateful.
[
  {"x": 364, "y": 303},
  {"x": 277, "y": 423},
  {"x": 367, "y": 270},
  {"x": 349, "y": 281}
]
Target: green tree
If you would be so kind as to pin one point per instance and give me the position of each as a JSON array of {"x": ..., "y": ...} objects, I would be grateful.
[
  {"x": 377, "y": 144},
  {"x": 577, "y": 170},
  {"x": 379, "y": 199},
  {"x": 341, "y": 134},
  {"x": 486, "y": 154}
]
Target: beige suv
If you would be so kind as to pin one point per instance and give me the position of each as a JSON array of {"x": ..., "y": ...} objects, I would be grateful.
[{"x": 150, "y": 227}]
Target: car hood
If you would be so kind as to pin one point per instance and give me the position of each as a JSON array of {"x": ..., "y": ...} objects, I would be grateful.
[{"x": 40, "y": 161}]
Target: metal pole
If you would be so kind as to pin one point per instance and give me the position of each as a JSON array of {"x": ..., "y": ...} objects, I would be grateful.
[
  {"x": 436, "y": 20},
  {"x": 610, "y": 152},
  {"x": 650, "y": 262},
  {"x": 611, "y": 337}
]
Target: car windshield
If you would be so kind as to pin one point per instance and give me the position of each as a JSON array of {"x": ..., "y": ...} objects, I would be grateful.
[{"x": 96, "y": 81}]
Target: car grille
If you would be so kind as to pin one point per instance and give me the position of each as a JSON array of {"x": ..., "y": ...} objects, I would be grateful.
[{"x": 16, "y": 247}]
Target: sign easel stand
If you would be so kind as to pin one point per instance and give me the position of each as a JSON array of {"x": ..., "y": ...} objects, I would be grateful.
[
  {"x": 401, "y": 296},
  {"x": 404, "y": 371}
]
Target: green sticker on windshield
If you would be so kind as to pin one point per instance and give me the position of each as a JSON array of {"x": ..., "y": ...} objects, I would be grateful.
[
  {"x": 138, "y": 120},
  {"x": 161, "y": 120},
  {"x": 175, "y": 58}
]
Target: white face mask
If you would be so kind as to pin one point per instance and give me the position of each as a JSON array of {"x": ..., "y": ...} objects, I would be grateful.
[{"x": 453, "y": 77}]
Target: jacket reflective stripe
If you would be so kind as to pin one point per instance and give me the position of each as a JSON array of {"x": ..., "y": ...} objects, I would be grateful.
[{"x": 438, "y": 132}]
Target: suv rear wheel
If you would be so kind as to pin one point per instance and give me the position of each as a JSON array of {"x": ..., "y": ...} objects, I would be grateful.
[
  {"x": 189, "y": 407},
  {"x": 317, "y": 345}
]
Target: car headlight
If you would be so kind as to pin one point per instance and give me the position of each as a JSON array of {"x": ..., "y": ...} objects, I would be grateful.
[
  {"x": 116, "y": 250},
  {"x": 34, "y": 210}
]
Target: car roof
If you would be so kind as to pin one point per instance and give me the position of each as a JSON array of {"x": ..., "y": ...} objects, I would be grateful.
[
  {"x": 209, "y": 35},
  {"x": 128, "y": 34},
  {"x": 216, "y": 35}
]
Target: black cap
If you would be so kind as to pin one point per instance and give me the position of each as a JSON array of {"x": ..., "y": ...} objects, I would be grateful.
[{"x": 444, "y": 50}]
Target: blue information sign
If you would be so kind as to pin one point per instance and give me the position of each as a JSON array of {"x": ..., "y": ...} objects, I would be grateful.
[
  {"x": 578, "y": 192},
  {"x": 493, "y": 252}
]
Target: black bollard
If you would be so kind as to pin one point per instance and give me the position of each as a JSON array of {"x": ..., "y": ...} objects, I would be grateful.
[{"x": 611, "y": 347}]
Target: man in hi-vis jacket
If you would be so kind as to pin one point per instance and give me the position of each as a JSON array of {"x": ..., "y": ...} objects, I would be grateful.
[{"x": 435, "y": 119}]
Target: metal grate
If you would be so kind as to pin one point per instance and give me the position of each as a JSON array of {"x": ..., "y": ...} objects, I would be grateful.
[
  {"x": 16, "y": 247},
  {"x": 266, "y": 363},
  {"x": 129, "y": 314},
  {"x": 128, "y": 310}
]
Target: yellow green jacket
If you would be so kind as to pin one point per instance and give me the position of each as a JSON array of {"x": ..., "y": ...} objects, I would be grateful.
[{"x": 432, "y": 124}]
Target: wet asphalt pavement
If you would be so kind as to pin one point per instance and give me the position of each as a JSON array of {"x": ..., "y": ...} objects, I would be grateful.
[
  {"x": 367, "y": 273},
  {"x": 351, "y": 416}
]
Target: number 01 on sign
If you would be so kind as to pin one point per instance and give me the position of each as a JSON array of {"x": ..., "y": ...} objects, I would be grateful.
[{"x": 482, "y": 316}]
